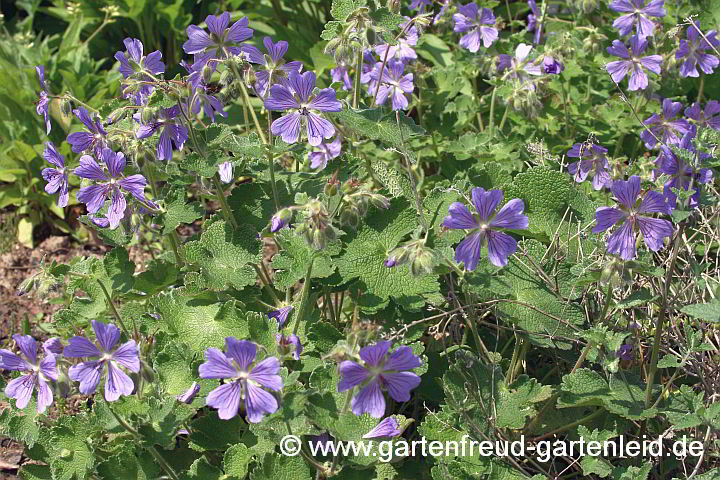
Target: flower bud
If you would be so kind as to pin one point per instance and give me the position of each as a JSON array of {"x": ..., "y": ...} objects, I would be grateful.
[
  {"x": 207, "y": 73},
  {"x": 66, "y": 107},
  {"x": 393, "y": 6},
  {"x": 116, "y": 116},
  {"x": 350, "y": 216},
  {"x": 424, "y": 261},
  {"x": 379, "y": 201},
  {"x": 148, "y": 114},
  {"x": 250, "y": 77},
  {"x": 226, "y": 78},
  {"x": 189, "y": 395},
  {"x": 330, "y": 189},
  {"x": 280, "y": 219},
  {"x": 146, "y": 372}
]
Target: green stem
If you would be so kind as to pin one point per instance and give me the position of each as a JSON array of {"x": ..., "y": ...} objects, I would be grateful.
[
  {"x": 574, "y": 424},
  {"x": 504, "y": 117},
  {"x": 661, "y": 319},
  {"x": 114, "y": 311},
  {"x": 491, "y": 121},
  {"x": 173, "y": 236},
  {"x": 153, "y": 451},
  {"x": 608, "y": 299},
  {"x": 271, "y": 163},
  {"x": 701, "y": 87},
  {"x": 304, "y": 296},
  {"x": 358, "y": 74},
  {"x": 252, "y": 110},
  {"x": 223, "y": 201}
]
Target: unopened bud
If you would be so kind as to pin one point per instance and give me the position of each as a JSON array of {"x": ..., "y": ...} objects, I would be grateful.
[
  {"x": 280, "y": 219},
  {"x": 350, "y": 216},
  {"x": 207, "y": 73},
  {"x": 330, "y": 189},
  {"x": 116, "y": 115},
  {"x": 66, "y": 107},
  {"x": 423, "y": 263},
  {"x": 148, "y": 114}
]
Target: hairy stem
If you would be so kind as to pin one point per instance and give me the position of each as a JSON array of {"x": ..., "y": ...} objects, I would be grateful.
[
  {"x": 223, "y": 201},
  {"x": 271, "y": 163},
  {"x": 304, "y": 297}
]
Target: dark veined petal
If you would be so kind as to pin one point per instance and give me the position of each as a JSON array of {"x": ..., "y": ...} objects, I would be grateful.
[
  {"x": 459, "y": 217},
  {"x": 370, "y": 400},
  {"x": 375, "y": 354},
  {"x": 107, "y": 334},
  {"x": 81, "y": 347},
  {"x": 10, "y": 361},
  {"x": 281, "y": 99},
  {"x": 21, "y": 389},
  {"x": 622, "y": 242},
  {"x": 318, "y": 129},
  {"x": 325, "y": 101},
  {"x": 226, "y": 399},
  {"x": 387, "y": 428},
  {"x": 48, "y": 366},
  {"x": 486, "y": 202},
  {"x": 117, "y": 383},
  {"x": 511, "y": 216},
  {"x": 606, "y": 217},
  {"x": 654, "y": 230},
  {"x": 500, "y": 247},
  {"x": 216, "y": 365},
  {"x": 218, "y": 24},
  {"x": 242, "y": 351},
  {"x": 44, "y": 396},
  {"x": 258, "y": 403},
  {"x": 400, "y": 384},
  {"x": 627, "y": 192},
  {"x": 287, "y": 127},
  {"x": 116, "y": 212},
  {"x": 90, "y": 169},
  {"x": 88, "y": 374},
  {"x": 402, "y": 359},
  {"x": 302, "y": 84},
  {"x": 51, "y": 155},
  {"x": 265, "y": 373},
  {"x": 468, "y": 251},
  {"x": 28, "y": 346},
  {"x": 653, "y": 202},
  {"x": 352, "y": 375},
  {"x": 127, "y": 356}
]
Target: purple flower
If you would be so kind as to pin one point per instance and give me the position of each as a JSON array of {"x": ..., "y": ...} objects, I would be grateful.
[
  {"x": 395, "y": 85},
  {"x": 633, "y": 63},
  {"x": 303, "y": 106},
  {"x": 112, "y": 185},
  {"x": 519, "y": 67},
  {"x": 638, "y": 13},
  {"x": 664, "y": 127},
  {"x": 552, "y": 66},
  {"x": 43, "y": 105},
  {"x": 386, "y": 428},
  {"x": 328, "y": 151},
  {"x": 403, "y": 51},
  {"x": 53, "y": 345},
  {"x": 632, "y": 204},
  {"x": 532, "y": 20},
  {"x": 171, "y": 131},
  {"x": 391, "y": 261},
  {"x": 40, "y": 373},
  {"x": 56, "y": 177},
  {"x": 486, "y": 226},
  {"x": 88, "y": 373},
  {"x": 467, "y": 20},
  {"x": 95, "y": 139},
  {"x": 289, "y": 345},
  {"x": 593, "y": 160},
  {"x": 189, "y": 395},
  {"x": 625, "y": 352},
  {"x": 710, "y": 117},
  {"x": 209, "y": 104},
  {"x": 133, "y": 63},
  {"x": 221, "y": 43},
  {"x": 420, "y": 4},
  {"x": 680, "y": 173},
  {"x": 281, "y": 315},
  {"x": 692, "y": 51},
  {"x": 273, "y": 69},
  {"x": 225, "y": 170},
  {"x": 245, "y": 380},
  {"x": 340, "y": 74},
  {"x": 370, "y": 70},
  {"x": 379, "y": 371}
]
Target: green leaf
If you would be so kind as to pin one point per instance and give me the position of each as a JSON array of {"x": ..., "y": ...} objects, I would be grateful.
[
  {"x": 35, "y": 472},
  {"x": 394, "y": 180},
  {"x": 709, "y": 312},
  {"x": 200, "y": 323},
  {"x": 236, "y": 461},
  {"x": 586, "y": 387},
  {"x": 72, "y": 458},
  {"x": 244, "y": 145},
  {"x": 129, "y": 464},
  {"x": 163, "y": 420},
  {"x": 377, "y": 124},
  {"x": 341, "y": 9},
  {"x": 632, "y": 473},
  {"x": 201, "y": 469},
  {"x": 209, "y": 432},
  {"x": 384, "y": 19},
  {"x": 224, "y": 255},
  {"x": 669, "y": 361},
  {"x": 292, "y": 261},
  {"x": 638, "y": 298},
  {"x": 119, "y": 270},
  {"x": 178, "y": 212},
  {"x": 365, "y": 255},
  {"x": 543, "y": 311},
  {"x": 277, "y": 467},
  {"x": 20, "y": 425}
]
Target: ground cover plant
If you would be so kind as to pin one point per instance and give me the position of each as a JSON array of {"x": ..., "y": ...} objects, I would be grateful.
[{"x": 378, "y": 220}]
